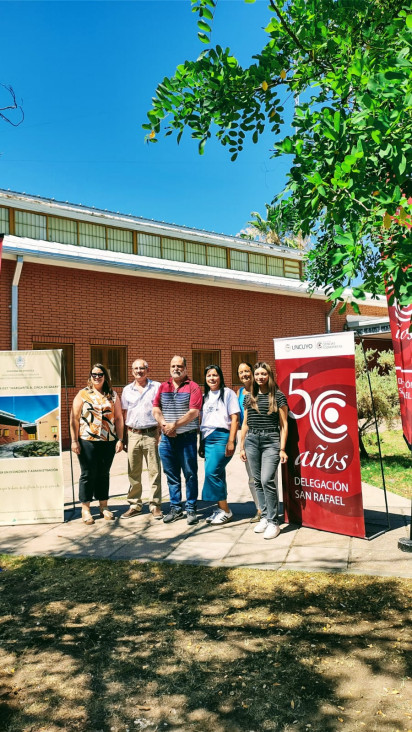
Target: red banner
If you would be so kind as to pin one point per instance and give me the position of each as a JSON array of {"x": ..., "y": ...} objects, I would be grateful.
[
  {"x": 322, "y": 486},
  {"x": 400, "y": 319}
]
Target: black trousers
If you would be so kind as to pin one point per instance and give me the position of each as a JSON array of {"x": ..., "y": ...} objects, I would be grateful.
[{"x": 96, "y": 457}]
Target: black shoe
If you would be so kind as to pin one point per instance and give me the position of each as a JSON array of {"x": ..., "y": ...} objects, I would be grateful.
[
  {"x": 173, "y": 515},
  {"x": 192, "y": 518}
]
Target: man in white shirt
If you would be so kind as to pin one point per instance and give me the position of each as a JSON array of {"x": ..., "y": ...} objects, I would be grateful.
[{"x": 141, "y": 439}]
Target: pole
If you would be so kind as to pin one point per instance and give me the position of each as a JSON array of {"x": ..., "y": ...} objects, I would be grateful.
[{"x": 377, "y": 431}]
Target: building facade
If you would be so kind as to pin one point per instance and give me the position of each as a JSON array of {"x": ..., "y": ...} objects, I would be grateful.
[{"x": 106, "y": 287}]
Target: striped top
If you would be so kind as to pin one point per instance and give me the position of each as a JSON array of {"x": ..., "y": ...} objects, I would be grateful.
[
  {"x": 176, "y": 403},
  {"x": 261, "y": 420},
  {"x": 97, "y": 416}
]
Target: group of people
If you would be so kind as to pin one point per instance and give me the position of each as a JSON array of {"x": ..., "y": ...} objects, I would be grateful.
[{"x": 160, "y": 422}]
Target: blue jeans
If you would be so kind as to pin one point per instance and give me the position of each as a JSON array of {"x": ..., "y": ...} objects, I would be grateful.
[
  {"x": 179, "y": 455},
  {"x": 262, "y": 452}
]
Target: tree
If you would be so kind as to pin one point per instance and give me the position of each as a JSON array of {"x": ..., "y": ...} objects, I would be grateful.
[
  {"x": 382, "y": 376},
  {"x": 275, "y": 229},
  {"x": 348, "y": 63}
]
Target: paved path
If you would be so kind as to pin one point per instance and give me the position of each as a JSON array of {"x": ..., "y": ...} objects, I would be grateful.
[{"x": 233, "y": 545}]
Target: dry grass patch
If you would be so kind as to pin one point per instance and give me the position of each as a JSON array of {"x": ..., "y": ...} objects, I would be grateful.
[{"x": 117, "y": 646}]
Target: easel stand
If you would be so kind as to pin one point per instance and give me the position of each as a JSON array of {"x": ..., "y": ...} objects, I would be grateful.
[{"x": 72, "y": 511}]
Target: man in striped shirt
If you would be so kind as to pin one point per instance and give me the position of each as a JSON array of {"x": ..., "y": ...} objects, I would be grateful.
[{"x": 176, "y": 408}]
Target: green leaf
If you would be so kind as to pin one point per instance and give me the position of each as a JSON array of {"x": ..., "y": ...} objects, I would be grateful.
[
  {"x": 206, "y": 13},
  {"x": 337, "y": 293},
  {"x": 409, "y": 21},
  {"x": 337, "y": 258},
  {"x": 203, "y": 26},
  {"x": 203, "y": 38},
  {"x": 355, "y": 307}
]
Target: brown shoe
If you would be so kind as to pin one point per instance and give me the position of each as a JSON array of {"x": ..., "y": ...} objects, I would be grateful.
[
  {"x": 255, "y": 519},
  {"x": 132, "y": 511},
  {"x": 156, "y": 512}
]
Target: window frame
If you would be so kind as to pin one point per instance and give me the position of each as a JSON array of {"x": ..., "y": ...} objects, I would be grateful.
[
  {"x": 202, "y": 357},
  {"x": 104, "y": 358}
]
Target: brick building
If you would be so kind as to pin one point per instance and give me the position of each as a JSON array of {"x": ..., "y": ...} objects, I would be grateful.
[{"x": 109, "y": 287}]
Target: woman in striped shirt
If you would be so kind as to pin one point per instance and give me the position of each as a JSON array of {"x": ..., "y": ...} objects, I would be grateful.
[{"x": 262, "y": 443}]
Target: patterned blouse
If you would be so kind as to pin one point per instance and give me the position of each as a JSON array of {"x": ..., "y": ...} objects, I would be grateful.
[{"x": 97, "y": 416}]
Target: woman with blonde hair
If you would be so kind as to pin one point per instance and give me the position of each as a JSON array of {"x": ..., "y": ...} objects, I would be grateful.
[
  {"x": 96, "y": 428},
  {"x": 263, "y": 442}
]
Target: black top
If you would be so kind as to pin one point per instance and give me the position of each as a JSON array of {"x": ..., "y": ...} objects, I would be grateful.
[{"x": 261, "y": 420}]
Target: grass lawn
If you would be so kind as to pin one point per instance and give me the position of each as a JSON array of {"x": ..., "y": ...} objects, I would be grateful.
[
  {"x": 397, "y": 462},
  {"x": 119, "y": 646}
]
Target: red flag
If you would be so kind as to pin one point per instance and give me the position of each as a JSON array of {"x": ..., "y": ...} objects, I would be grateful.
[{"x": 400, "y": 319}]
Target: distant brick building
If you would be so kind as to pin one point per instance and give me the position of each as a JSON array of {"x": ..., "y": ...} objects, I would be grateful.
[
  {"x": 109, "y": 287},
  {"x": 13, "y": 429}
]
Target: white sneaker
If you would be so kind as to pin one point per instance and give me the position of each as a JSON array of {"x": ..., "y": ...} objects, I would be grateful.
[
  {"x": 261, "y": 526},
  {"x": 213, "y": 515},
  {"x": 272, "y": 531},
  {"x": 222, "y": 518}
]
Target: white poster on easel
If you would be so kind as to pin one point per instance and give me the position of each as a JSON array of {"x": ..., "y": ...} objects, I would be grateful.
[{"x": 31, "y": 468}]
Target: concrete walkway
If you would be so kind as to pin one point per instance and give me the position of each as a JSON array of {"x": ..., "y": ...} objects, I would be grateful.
[{"x": 233, "y": 545}]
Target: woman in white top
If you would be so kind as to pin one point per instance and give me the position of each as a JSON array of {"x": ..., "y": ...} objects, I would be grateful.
[{"x": 219, "y": 424}]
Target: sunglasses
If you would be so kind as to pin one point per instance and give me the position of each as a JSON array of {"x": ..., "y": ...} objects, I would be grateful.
[{"x": 96, "y": 375}]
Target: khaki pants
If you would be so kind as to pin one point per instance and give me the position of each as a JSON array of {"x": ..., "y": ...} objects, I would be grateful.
[{"x": 140, "y": 446}]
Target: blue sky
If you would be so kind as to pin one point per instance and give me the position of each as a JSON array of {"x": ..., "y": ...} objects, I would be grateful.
[
  {"x": 29, "y": 408},
  {"x": 86, "y": 72}
]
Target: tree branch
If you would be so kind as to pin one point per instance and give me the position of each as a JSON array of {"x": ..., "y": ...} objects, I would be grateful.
[{"x": 12, "y": 106}]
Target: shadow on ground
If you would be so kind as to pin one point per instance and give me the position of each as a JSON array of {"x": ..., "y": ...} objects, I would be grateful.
[{"x": 105, "y": 646}]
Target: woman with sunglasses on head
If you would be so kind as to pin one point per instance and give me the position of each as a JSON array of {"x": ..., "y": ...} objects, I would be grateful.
[
  {"x": 263, "y": 442},
  {"x": 96, "y": 428},
  {"x": 218, "y": 427},
  {"x": 245, "y": 374}
]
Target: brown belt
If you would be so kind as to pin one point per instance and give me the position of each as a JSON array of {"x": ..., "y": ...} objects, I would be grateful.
[{"x": 143, "y": 431}]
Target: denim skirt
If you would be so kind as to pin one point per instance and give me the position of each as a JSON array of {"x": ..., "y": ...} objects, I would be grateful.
[{"x": 214, "y": 487}]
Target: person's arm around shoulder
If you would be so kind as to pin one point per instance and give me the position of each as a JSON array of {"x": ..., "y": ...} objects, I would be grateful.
[
  {"x": 119, "y": 423},
  {"x": 75, "y": 423}
]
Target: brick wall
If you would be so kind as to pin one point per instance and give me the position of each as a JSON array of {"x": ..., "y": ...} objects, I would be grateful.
[{"x": 154, "y": 318}]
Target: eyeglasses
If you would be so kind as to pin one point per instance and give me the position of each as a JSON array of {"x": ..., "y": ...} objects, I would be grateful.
[
  {"x": 140, "y": 368},
  {"x": 97, "y": 375}
]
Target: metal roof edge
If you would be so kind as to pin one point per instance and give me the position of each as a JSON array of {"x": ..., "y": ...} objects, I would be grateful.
[
  {"x": 38, "y": 250},
  {"x": 159, "y": 228}
]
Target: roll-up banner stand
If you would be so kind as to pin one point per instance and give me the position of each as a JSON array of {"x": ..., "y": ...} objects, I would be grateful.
[
  {"x": 322, "y": 486},
  {"x": 31, "y": 468}
]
